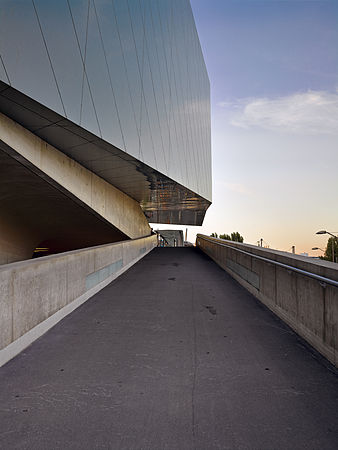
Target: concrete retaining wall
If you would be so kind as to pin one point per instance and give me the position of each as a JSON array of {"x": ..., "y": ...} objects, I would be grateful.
[
  {"x": 306, "y": 305},
  {"x": 36, "y": 294}
]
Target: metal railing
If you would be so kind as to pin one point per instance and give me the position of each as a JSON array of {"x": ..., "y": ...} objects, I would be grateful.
[{"x": 321, "y": 279}]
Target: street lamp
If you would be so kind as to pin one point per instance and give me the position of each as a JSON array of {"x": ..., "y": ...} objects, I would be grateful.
[
  {"x": 332, "y": 242},
  {"x": 318, "y": 248}
]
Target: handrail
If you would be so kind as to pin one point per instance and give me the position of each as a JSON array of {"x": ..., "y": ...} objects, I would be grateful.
[
  {"x": 159, "y": 234},
  {"x": 276, "y": 263}
]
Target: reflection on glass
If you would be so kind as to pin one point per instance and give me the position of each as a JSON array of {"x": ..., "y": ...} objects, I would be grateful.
[{"x": 130, "y": 71}]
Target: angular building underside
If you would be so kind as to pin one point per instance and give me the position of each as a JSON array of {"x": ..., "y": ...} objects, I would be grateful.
[{"x": 104, "y": 122}]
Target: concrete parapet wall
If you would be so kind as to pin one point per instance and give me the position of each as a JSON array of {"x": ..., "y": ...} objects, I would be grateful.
[
  {"x": 36, "y": 294},
  {"x": 308, "y": 306}
]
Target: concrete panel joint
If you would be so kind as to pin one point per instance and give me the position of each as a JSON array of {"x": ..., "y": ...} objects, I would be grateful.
[{"x": 243, "y": 272}]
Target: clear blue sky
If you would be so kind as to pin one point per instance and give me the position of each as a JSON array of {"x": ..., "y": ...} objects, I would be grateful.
[
  {"x": 273, "y": 69},
  {"x": 257, "y": 48}
]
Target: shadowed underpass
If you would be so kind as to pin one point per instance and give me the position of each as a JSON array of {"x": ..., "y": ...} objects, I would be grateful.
[{"x": 174, "y": 354}]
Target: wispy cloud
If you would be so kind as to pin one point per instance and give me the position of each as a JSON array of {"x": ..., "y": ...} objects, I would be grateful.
[
  {"x": 239, "y": 188},
  {"x": 311, "y": 112}
]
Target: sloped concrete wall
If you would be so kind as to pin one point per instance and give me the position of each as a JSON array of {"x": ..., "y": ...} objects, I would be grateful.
[
  {"x": 104, "y": 199},
  {"x": 305, "y": 304},
  {"x": 36, "y": 294}
]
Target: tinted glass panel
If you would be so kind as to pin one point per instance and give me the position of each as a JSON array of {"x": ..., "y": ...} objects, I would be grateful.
[{"x": 129, "y": 71}]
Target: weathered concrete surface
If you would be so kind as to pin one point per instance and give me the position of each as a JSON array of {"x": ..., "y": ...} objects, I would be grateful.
[
  {"x": 74, "y": 181},
  {"x": 32, "y": 292},
  {"x": 307, "y": 305},
  {"x": 172, "y": 355}
]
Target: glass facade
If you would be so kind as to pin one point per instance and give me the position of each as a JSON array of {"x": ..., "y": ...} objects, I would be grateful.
[{"x": 129, "y": 71}]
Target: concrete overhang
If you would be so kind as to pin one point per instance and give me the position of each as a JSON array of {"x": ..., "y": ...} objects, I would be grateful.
[{"x": 162, "y": 199}]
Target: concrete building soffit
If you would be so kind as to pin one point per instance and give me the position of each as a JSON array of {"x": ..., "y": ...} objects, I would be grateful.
[
  {"x": 42, "y": 175},
  {"x": 151, "y": 189}
]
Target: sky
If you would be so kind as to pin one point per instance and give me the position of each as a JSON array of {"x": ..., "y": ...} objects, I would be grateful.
[{"x": 273, "y": 70}]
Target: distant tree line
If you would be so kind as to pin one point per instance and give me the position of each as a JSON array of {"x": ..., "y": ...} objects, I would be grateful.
[{"x": 235, "y": 236}]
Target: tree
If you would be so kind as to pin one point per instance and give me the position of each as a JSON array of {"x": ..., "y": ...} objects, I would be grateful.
[
  {"x": 236, "y": 237},
  {"x": 215, "y": 235},
  {"x": 328, "y": 250},
  {"x": 225, "y": 236}
]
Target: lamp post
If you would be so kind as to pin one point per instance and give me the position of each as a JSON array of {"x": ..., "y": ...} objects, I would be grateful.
[
  {"x": 334, "y": 237},
  {"x": 318, "y": 248}
]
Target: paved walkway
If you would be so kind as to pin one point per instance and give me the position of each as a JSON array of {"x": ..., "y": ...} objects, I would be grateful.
[{"x": 172, "y": 355}]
